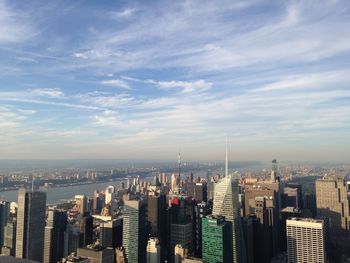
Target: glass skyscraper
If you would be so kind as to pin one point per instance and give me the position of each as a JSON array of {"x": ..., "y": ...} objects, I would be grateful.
[
  {"x": 30, "y": 224},
  {"x": 226, "y": 204},
  {"x": 216, "y": 240}
]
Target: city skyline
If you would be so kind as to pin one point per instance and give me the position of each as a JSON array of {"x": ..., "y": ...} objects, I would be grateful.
[{"x": 96, "y": 80}]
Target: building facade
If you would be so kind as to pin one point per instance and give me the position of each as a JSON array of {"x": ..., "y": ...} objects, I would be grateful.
[
  {"x": 30, "y": 224},
  {"x": 306, "y": 240}
]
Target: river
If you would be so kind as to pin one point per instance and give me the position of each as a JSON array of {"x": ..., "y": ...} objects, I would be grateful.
[{"x": 58, "y": 195}]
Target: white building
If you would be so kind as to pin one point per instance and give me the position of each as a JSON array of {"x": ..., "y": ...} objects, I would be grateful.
[{"x": 306, "y": 240}]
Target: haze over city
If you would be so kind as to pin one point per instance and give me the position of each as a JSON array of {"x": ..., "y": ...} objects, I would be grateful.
[{"x": 145, "y": 79}]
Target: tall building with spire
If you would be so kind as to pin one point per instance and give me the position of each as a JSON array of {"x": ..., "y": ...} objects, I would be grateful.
[{"x": 226, "y": 204}]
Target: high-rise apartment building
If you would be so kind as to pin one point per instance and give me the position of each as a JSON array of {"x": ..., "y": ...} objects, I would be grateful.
[
  {"x": 30, "y": 224},
  {"x": 54, "y": 235},
  {"x": 216, "y": 240},
  {"x": 135, "y": 230},
  {"x": 306, "y": 240},
  {"x": 226, "y": 204}
]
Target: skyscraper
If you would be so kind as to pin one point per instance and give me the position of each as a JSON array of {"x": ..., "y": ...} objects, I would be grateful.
[
  {"x": 153, "y": 250},
  {"x": 333, "y": 203},
  {"x": 86, "y": 229},
  {"x": 200, "y": 211},
  {"x": 54, "y": 235},
  {"x": 30, "y": 224},
  {"x": 111, "y": 233},
  {"x": 226, "y": 204},
  {"x": 306, "y": 240},
  {"x": 293, "y": 195},
  {"x": 156, "y": 213},
  {"x": 4, "y": 214},
  {"x": 135, "y": 230},
  {"x": 216, "y": 240},
  {"x": 81, "y": 202}
]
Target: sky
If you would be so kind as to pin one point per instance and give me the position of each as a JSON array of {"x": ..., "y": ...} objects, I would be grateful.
[{"x": 147, "y": 79}]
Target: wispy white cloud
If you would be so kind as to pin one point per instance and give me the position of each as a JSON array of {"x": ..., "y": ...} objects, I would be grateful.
[
  {"x": 127, "y": 12},
  {"x": 47, "y": 92},
  {"x": 15, "y": 27},
  {"x": 307, "y": 81},
  {"x": 186, "y": 86},
  {"x": 118, "y": 83}
]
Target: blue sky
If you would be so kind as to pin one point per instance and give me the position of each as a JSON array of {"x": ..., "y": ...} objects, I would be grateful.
[{"x": 143, "y": 79}]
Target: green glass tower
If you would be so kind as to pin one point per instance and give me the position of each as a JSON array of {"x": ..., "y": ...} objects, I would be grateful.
[{"x": 216, "y": 240}]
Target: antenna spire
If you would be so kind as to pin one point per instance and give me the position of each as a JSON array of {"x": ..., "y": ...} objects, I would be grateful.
[
  {"x": 33, "y": 181},
  {"x": 226, "y": 161},
  {"x": 179, "y": 163}
]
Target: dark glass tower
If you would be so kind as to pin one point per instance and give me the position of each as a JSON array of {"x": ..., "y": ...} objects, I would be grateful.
[
  {"x": 54, "y": 235},
  {"x": 30, "y": 224}
]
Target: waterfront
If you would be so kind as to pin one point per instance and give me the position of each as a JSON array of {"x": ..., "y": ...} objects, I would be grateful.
[{"x": 58, "y": 195}]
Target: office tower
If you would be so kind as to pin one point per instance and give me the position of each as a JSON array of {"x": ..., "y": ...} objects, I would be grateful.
[
  {"x": 266, "y": 229},
  {"x": 309, "y": 203},
  {"x": 181, "y": 234},
  {"x": 226, "y": 204},
  {"x": 54, "y": 235},
  {"x": 174, "y": 183},
  {"x": 216, "y": 240},
  {"x": 293, "y": 195},
  {"x": 305, "y": 240},
  {"x": 86, "y": 229},
  {"x": 190, "y": 188},
  {"x": 200, "y": 194},
  {"x": 30, "y": 224},
  {"x": 71, "y": 238},
  {"x": 261, "y": 199},
  {"x": 274, "y": 171},
  {"x": 97, "y": 254},
  {"x": 9, "y": 245},
  {"x": 180, "y": 223},
  {"x": 135, "y": 230},
  {"x": 200, "y": 211},
  {"x": 81, "y": 202},
  {"x": 153, "y": 250},
  {"x": 110, "y": 191},
  {"x": 4, "y": 214},
  {"x": 111, "y": 233},
  {"x": 287, "y": 213},
  {"x": 250, "y": 227},
  {"x": 210, "y": 190},
  {"x": 156, "y": 214},
  {"x": 99, "y": 200},
  {"x": 333, "y": 203},
  {"x": 157, "y": 219}
]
